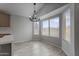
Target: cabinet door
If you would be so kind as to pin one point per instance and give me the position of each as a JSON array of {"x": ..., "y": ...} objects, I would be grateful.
[
  {"x": 5, "y": 49},
  {"x": 4, "y": 20}
]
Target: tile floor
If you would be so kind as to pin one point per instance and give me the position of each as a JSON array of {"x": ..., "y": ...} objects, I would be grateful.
[{"x": 35, "y": 48}]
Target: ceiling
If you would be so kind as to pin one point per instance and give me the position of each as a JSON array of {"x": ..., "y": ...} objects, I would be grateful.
[{"x": 21, "y": 9}]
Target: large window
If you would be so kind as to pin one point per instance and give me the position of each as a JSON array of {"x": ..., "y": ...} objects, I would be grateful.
[
  {"x": 36, "y": 28},
  {"x": 54, "y": 27},
  {"x": 48, "y": 27},
  {"x": 51, "y": 27},
  {"x": 67, "y": 20},
  {"x": 68, "y": 25},
  {"x": 45, "y": 28}
]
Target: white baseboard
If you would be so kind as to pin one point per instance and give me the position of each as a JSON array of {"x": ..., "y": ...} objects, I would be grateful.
[
  {"x": 21, "y": 41},
  {"x": 51, "y": 43}
]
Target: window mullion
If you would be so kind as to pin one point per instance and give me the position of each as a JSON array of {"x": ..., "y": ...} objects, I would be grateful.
[{"x": 49, "y": 27}]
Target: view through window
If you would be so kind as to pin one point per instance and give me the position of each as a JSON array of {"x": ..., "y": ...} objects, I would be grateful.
[
  {"x": 45, "y": 28},
  {"x": 67, "y": 15},
  {"x": 54, "y": 27},
  {"x": 67, "y": 24},
  {"x": 36, "y": 28},
  {"x": 49, "y": 27}
]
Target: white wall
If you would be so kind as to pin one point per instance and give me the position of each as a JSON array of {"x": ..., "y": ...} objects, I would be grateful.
[{"x": 21, "y": 28}]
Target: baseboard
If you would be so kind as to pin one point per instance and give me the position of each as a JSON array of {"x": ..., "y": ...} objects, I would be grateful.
[
  {"x": 66, "y": 52},
  {"x": 51, "y": 43},
  {"x": 21, "y": 41}
]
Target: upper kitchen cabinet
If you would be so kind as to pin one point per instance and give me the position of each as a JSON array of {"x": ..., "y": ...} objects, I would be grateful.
[{"x": 4, "y": 20}]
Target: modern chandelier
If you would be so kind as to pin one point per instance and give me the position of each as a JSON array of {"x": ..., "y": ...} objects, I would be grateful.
[{"x": 34, "y": 17}]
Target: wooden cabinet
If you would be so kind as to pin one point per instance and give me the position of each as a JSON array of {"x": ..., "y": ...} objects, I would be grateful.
[{"x": 4, "y": 20}]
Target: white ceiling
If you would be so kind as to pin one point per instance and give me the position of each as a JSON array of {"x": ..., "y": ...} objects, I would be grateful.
[
  {"x": 22, "y": 9},
  {"x": 26, "y": 9}
]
